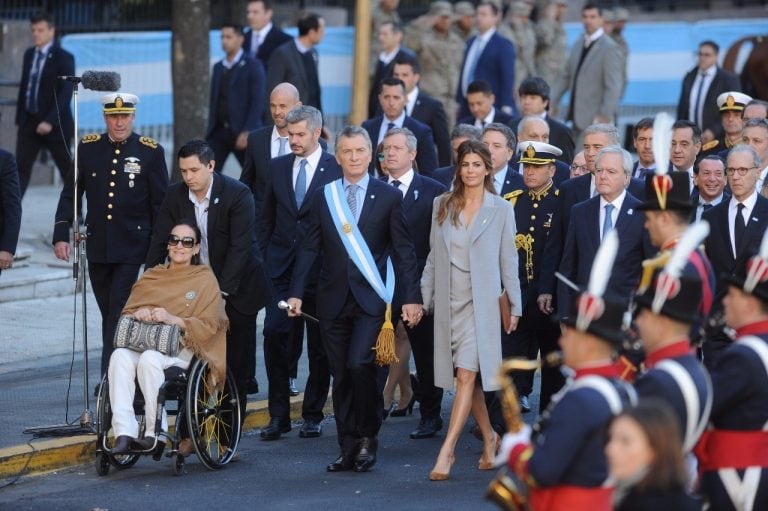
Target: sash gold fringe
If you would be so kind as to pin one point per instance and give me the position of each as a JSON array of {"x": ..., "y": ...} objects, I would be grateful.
[{"x": 385, "y": 343}]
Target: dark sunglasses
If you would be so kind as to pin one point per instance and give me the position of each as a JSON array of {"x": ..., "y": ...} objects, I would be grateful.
[{"x": 186, "y": 242}]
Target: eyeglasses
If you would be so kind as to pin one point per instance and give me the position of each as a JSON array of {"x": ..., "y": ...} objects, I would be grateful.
[
  {"x": 578, "y": 168},
  {"x": 186, "y": 242},
  {"x": 742, "y": 171}
]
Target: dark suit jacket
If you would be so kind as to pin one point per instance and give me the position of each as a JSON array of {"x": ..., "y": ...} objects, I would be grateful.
[
  {"x": 426, "y": 157},
  {"x": 583, "y": 240},
  {"x": 247, "y": 95},
  {"x": 384, "y": 230},
  {"x": 286, "y": 65},
  {"x": 718, "y": 243},
  {"x": 274, "y": 38},
  {"x": 233, "y": 251},
  {"x": 282, "y": 219},
  {"x": 562, "y": 171},
  {"x": 430, "y": 111},
  {"x": 381, "y": 72},
  {"x": 445, "y": 175},
  {"x": 723, "y": 81},
  {"x": 496, "y": 67},
  {"x": 498, "y": 116},
  {"x": 58, "y": 63},
  {"x": 512, "y": 181},
  {"x": 560, "y": 136},
  {"x": 10, "y": 203}
]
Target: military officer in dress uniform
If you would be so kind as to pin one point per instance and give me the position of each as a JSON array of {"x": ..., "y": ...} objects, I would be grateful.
[
  {"x": 731, "y": 105},
  {"x": 534, "y": 210},
  {"x": 124, "y": 178},
  {"x": 733, "y": 453},
  {"x": 563, "y": 463}
]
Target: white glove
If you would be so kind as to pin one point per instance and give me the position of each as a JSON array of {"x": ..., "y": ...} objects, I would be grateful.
[{"x": 509, "y": 441}]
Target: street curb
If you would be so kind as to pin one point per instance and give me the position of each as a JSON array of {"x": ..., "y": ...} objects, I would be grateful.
[{"x": 40, "y": 456}]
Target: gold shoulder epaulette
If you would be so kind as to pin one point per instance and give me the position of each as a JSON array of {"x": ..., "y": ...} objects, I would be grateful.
[
  {"x": 710, "y": 145},
  {"x": 150, "y": 142},
  {"x": 90, "y": 137},
  {"x": 512, "y": 196}
]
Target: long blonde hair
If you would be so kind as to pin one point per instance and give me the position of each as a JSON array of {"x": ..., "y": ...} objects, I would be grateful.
[{"x": 453, "y": 202}]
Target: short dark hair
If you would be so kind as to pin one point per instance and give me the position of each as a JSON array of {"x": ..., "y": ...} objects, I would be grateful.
[
  {"x": 267, "y": 3},
  {"x": 397, "y": 27},
  {"x": 199, "y": 148},
  {"x": 684, "y": 123},
  {"x": 643, "y": 124},
  {"x": 238, "y": 29},
  {"x": 309, "y": 21},
  {"x": 713, "y": 157},
  {"x": 711, "y": 44},
  {"x": 504, "y": 130},
  {"x": 41, "y": 16},
  {"x": 494, "y": 8},
  {"x": 408, "y": 60},
  {"x": 391, "y": 82},
  {"x": 591, "y": 5},
  {"x": 534, "y": 86},
  {"x": 480, "y": 86}
]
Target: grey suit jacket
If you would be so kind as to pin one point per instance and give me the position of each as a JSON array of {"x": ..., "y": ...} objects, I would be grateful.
[
  {"x": 493, "y": 264},
  {"x": 598, "y": 83}
]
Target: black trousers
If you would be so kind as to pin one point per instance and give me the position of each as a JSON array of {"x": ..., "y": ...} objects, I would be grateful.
[
  {"x": 241, "y": 348},
  {"x": 297, "y": 347},
  {"x": 222, "y": 141},
  {"x": 111, "y": 284},
  {"x": 349, "y": 340},
  {"x": 279, "y": 334},
  {"x": 29, "y": 144}
]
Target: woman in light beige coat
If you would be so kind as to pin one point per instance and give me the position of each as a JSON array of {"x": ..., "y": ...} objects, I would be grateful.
[{"x": 472, "y": 256}]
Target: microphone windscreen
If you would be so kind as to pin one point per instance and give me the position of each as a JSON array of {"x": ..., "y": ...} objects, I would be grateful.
[{"x": 107, "y": 81}]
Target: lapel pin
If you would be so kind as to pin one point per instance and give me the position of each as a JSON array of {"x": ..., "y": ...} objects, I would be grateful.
[
  {"x": 415, "y": 195},
  {"x": 373, "y": 196},
  {"x": 216, "y": 200},
  {"x": 754, "y": 219},
  {"x": 629, "y": 211}
]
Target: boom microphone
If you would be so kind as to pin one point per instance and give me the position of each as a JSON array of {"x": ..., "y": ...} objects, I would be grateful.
[{"x": 106, "y": 81}]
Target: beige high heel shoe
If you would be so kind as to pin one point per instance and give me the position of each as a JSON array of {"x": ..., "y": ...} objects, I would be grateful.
[
  {"x": 484, "y": 464},
  {"x": 442, "y": 476}
]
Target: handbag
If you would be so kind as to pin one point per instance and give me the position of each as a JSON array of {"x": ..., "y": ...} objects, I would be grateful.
[{"x": 141, "y": 336}]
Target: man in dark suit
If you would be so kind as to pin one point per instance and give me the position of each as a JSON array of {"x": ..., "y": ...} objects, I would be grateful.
[
  {"x": 736, "y": 230},
  {"x": 701, "y": 87},
  {"x": 40, "y": 122},
  {"x": 535, "y": 129},
  {"x": 490, "y": 57},
  {"x": 419, "y": 192},
  {"x": 296, "y": 61},
  {"x": 351, "y": 312},
  {"x": 480, "y": 103},
  {"x": 709, "y": 177},
  {"x": 501, "y": 142},
  {"x": 10, "y": 209},
  {"x": 124, "y": 178},
  {"x": 685, "y": 147},
  {"x": 422, "y": 107},
  {"x": 459, "y": 134},
  {"x": 390, "y": 38},
  {"x": 263, "y": 36},
  {"x": 237, "y": 98},
  {"x": 393, "y": 99},
  {"x": 291, "y": 180},
  {"x": 613, "y": 208},
  {"x": 642, "y": 141},
  {"x": 223, "y": 210},
  {"x": 534, "y": 95}
]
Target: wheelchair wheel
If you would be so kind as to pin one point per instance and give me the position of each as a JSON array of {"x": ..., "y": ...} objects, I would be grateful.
[
  {"x": 105, "y": 436},
  {"x": 213, "y": 417}
]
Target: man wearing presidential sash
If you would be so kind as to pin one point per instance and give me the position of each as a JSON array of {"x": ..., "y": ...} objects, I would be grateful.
[{"x": 357, "y": 223}]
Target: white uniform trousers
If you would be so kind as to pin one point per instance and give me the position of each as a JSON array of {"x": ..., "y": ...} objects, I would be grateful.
[{"x": 125, "y": 367}]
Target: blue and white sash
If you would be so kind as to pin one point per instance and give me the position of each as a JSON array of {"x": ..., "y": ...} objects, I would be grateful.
[{"x": 355, "y": 244}]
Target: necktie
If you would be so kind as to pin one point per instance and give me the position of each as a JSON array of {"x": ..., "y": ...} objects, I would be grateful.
[
  {"x": 390, "y": 125},
  {"x": 706, "y": 207},
  {"x": 608, "y": 222},
  {"x": 642, "y": 172},
  {"x": 699, "y": 99},
  {"x": 475, "y": 51},
  {"x": 395, "y": 183},
  {"x": 255, "y": 43},
  {"x": 352, "y": 199},
  {"x": 34, "y": 79},
  {"x": 301, "y": 182},
  {"x": 482, "y": 124},
  {"x": 738, "y": 226},
  {"x": 283, "y": 146}
]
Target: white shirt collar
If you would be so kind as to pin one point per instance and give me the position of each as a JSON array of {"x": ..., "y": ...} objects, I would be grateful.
[
  {"x": 710, "y": 71},
  {"x": 206, "y": 200},
  {"x": 261, "y": 34},
  {"x": 617, "y": 202},
  {"x": 589, "y": 39},
  {"x": 484, "y": 38},
  {"x": 714, "y": 202},
  {"x": 313, "y": 159},
  {"x": 405, "y": 179},
  {"x": 45, "y": 49},
  {"x": 234, "y": 61},
  {"x": 275, "y": 134},
  {"x": 398, "y": 121},
  {"x": 301, "y": 47},
  {"x": 386, "y": 58},
  {"x": 749, "y": 202},
  {"x": 412, "y": 100}
]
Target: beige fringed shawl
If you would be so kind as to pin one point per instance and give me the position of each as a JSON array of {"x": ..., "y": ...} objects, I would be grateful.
[{"x": 191, "y": 293}]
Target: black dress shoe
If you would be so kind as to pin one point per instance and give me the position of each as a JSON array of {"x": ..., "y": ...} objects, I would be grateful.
[
  {"x": 311, "y": 429},
  {"x": 341, "y": 464},
  {"x": 275, "y": 427},
  {"x": 143, "y": 444},
  {"x": 366, "y": 455},
  {"x": 427, "y": 428},
  {"x": 525, "y": 405},
  {"x": 122, "y": 444},
  {"x": 252, "y": 386}
]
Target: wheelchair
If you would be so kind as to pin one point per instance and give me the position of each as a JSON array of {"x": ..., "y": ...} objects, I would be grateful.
[{"x": 210, "y": 418}]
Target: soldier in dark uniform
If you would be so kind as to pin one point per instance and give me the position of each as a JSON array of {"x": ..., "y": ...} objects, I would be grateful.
[
  {"x": 124, "y": 178},
  {"x": 534, "y": 210},
  {"x": 563, "y": 462},
  {"x": 731, "y": 105},
  {"x": 733, "y": 453}
]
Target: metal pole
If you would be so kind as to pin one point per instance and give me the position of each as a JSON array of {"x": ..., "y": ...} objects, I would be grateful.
[{"x": 360, "y": 73}]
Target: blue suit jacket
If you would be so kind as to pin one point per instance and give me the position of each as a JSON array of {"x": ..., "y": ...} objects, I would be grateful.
[
  {"x": 496, "y": 66},
  {"x": 282, "y": 219},
  {"x": 430, "y": 111},
  {"x": 247, "y": 95},
  {"x": 583, "y": 240},
  {"x": 512, "y": 181},
  {"x": 10, "y": 203},
  {"x": 445, "y": 175},
  {"x": 383, "y": 227},
  {"x": 426, "y": 156},
  {"x": 58, "y": 63}
]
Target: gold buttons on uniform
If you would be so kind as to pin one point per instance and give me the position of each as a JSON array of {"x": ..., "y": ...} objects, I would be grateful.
[
  {"x": 109, "y": 217},
  {"x": 112, "y": 184},
  {"x": 535, "y": 204},
  {"x": 114, "y": 161},
  {"x": 531, "y": 229},
  {"x": 113, "y": 172},
  {"x": 117, "y": 151},
  {"x": 109, "y": 206},
  {"x": 533, "y": 217},
  {"x": 111, "y": 194}
]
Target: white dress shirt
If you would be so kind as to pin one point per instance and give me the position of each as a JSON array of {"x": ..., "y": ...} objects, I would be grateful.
[
  {"x": 617, "y": 203},
  {"x": 482, "y": 123},
  {"x": 411, "y": 100},
  {"x": 474, "y": 52},
  {"x": 313, "y": 160},
  {"x": 749, "y": 205},
  {"x": 405, "y": 181},
  {"x": 700, "y": 206},
  {"x": 694, "y": 101},
  {"x": 498, "y": 179},
  {"x": 258, "y": 36},
  {"x": 201, "y": 215},
  {"x": 274, "y": 144},
  {"x": 384, "y": 125}
]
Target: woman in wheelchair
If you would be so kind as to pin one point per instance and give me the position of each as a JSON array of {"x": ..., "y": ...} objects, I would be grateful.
[{"x": 182, "y": 292}]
